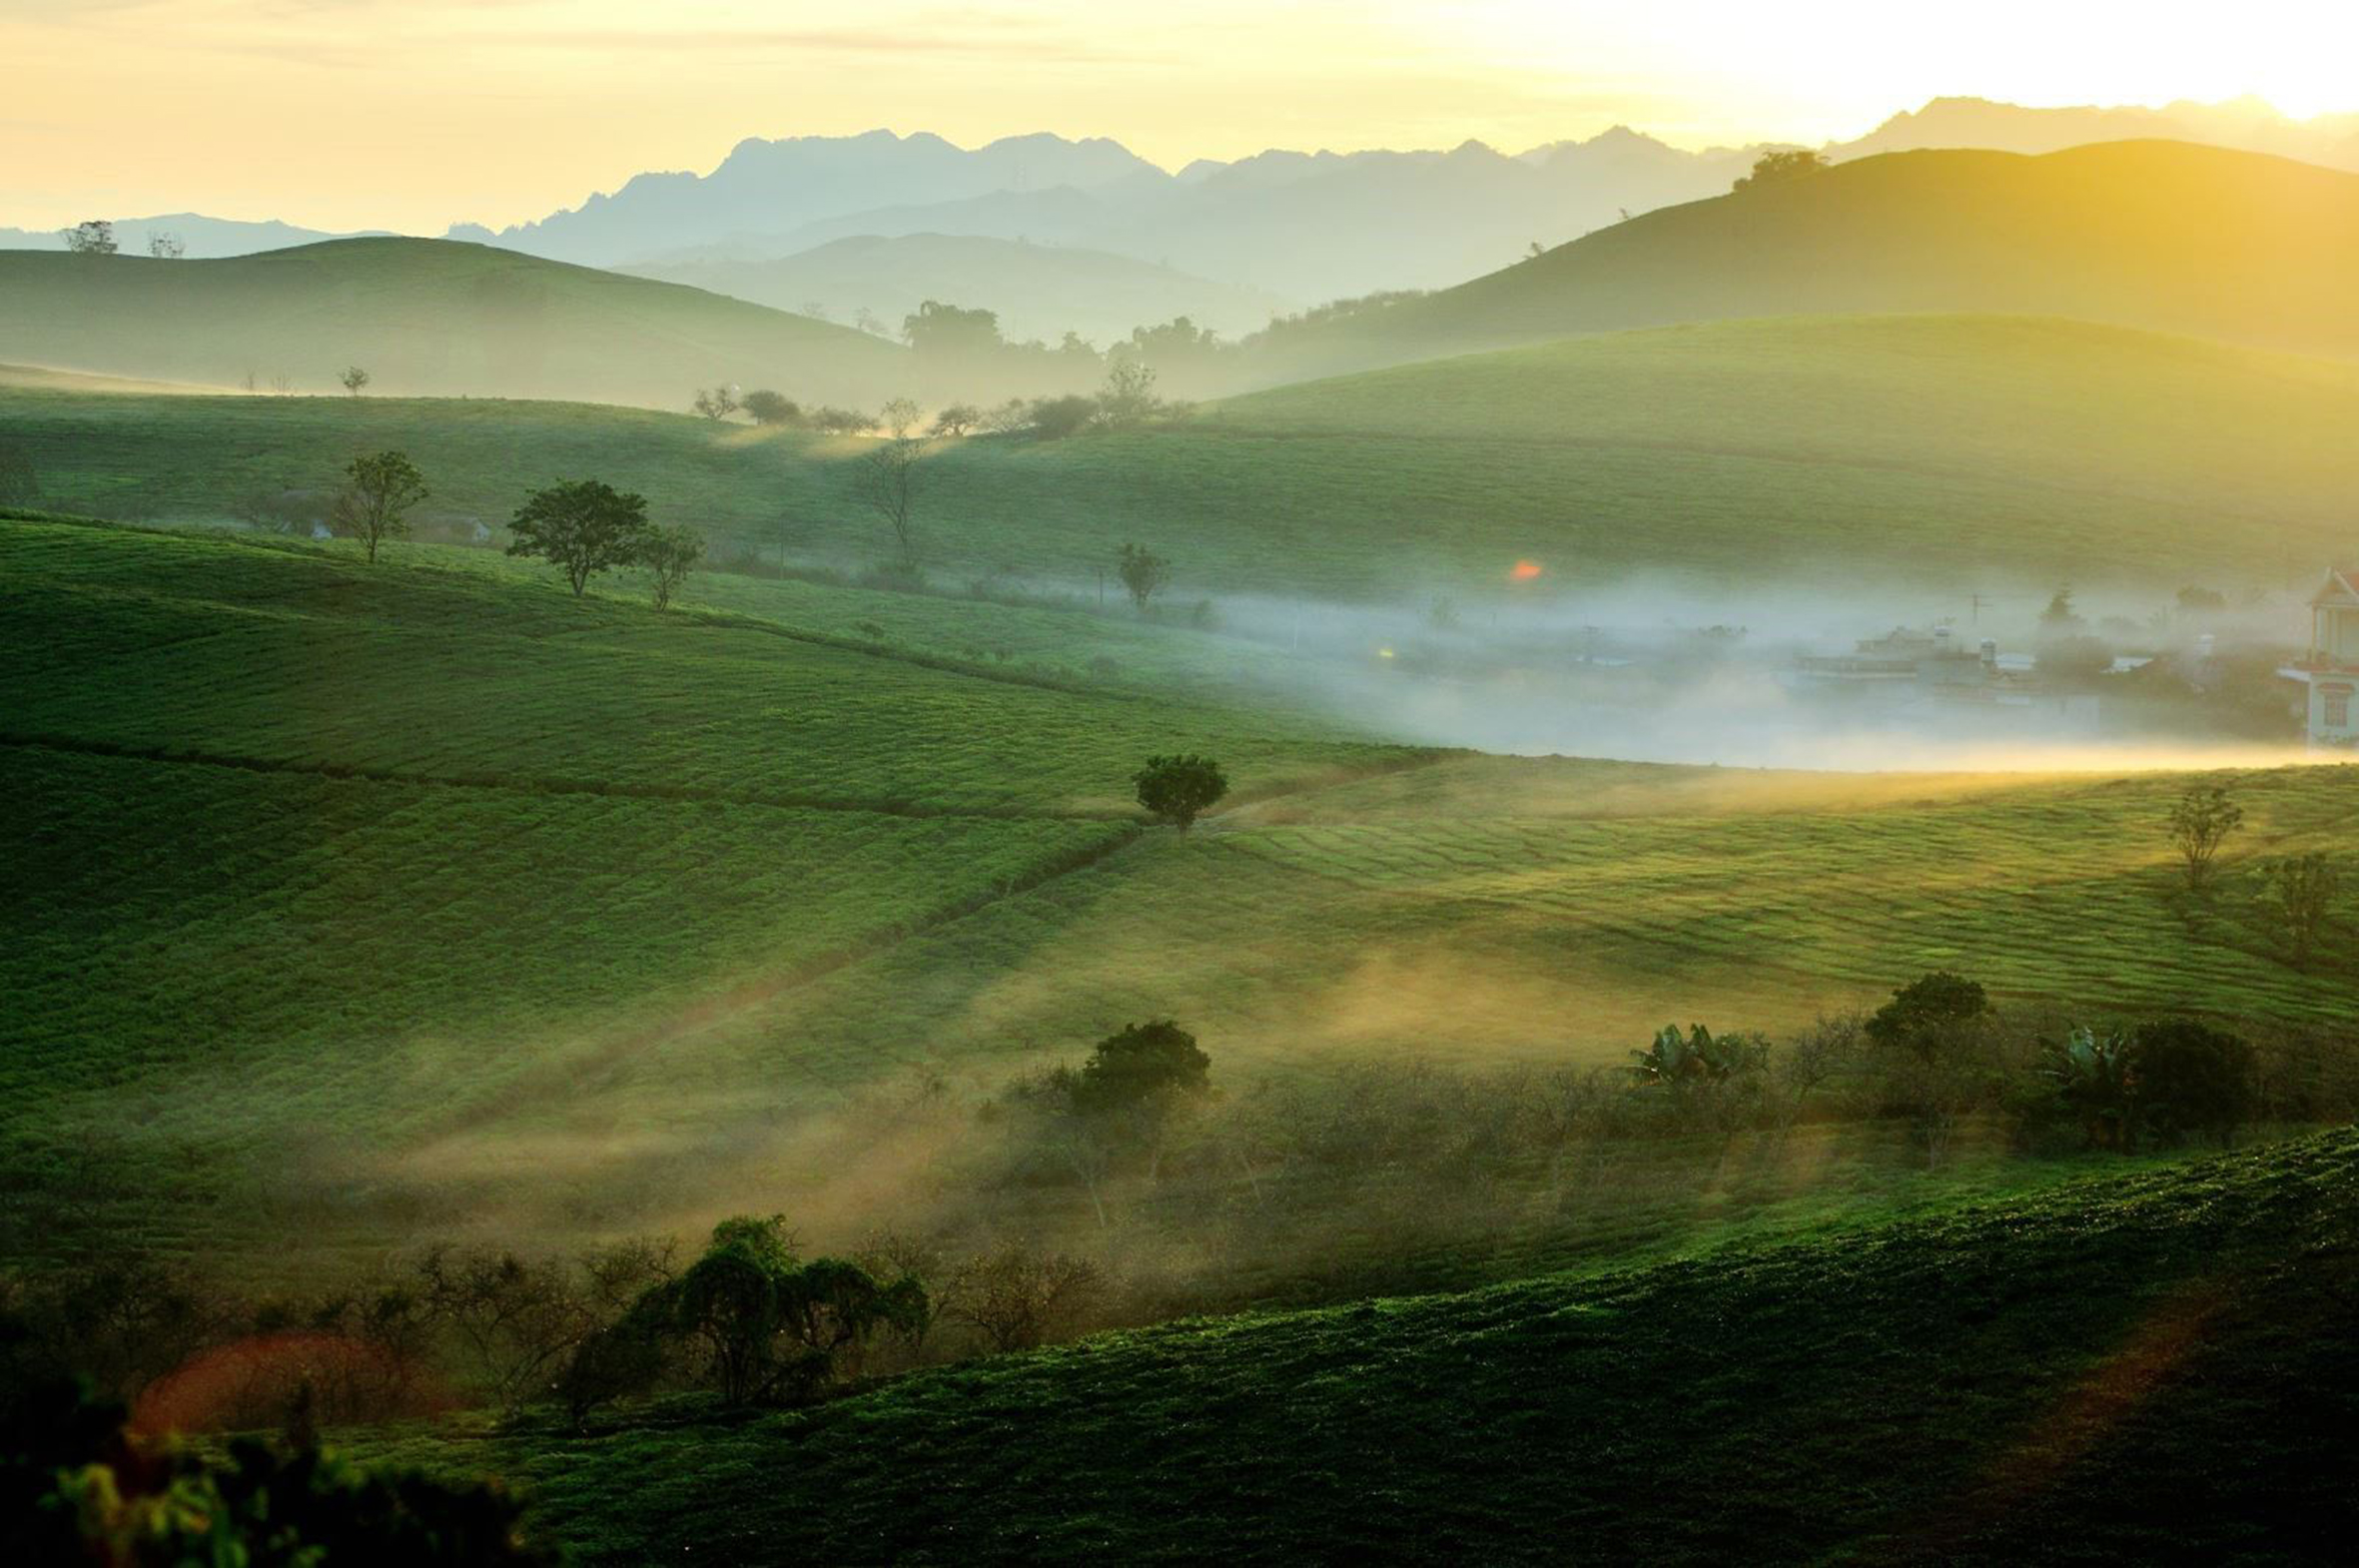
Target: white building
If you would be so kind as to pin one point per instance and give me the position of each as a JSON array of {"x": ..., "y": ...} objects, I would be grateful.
[{"x": 2331, "y": 668}]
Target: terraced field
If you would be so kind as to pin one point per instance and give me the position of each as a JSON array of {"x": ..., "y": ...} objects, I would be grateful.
[
  {"x": 2065, "y": 891},
  {"x": 463, "y": 890},
  {"x": 295, "y": 657},
  {"x": 2126, "y": 1369},
  {"x": 1957, "y": 454},
  {"x": 325, "y": 866}
]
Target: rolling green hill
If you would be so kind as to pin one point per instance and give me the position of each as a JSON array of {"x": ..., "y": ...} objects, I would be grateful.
[
  {"x": 1957, "y": 452},
  {"x": 423, "y": 317},
  {"x": 359, "y": 898},
  {"x": 2168, "y": 236},
  {"x": 2133, "y": 1367}
]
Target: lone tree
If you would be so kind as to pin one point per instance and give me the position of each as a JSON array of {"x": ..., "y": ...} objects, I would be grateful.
[
  {"x": 1142, "y": 573},
  {"x": 166, "y": 246},
  {"x": 2302, "y": 889},
  {"x": 886, "y": 480},
  {"x": 1179, "y": 789},
  {"x": 582, "y": 525},
  {"x": 718, "y": 404},
  {"x": 1142, "y": 1064},
  {"x": 2199, "y": 823},
  {"x": 353, "y": 379},
  {"x": 670, "y": 554},
  {"x": 769, "y": 407},
  {"x": 93, "y": 236},
  {"x": 1777, "y": 168},
  {"x": 375, "y": 504}
]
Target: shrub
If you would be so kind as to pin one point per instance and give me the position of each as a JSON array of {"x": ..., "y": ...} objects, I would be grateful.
[
  {"x": 2192, "y": 1079},
  {"x": 1179, "y": 789},
  {"x": 1931, "y": 1014},
  {"x": 769, "y": 407}
]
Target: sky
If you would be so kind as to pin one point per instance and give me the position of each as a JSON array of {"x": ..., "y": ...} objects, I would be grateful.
[{"x": 413, "y": 114}]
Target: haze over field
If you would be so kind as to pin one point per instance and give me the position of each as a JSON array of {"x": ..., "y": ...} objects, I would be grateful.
[{"x": 1311, "y": 782}]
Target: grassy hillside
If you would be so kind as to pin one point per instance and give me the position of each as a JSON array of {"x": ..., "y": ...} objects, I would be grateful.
[
  {"x": 513, "y": 900},
  {"x": 1037, "y": 290},
  {"x": 2161, "y": 235},
  {"x": 423, "y": 317},
  {"x": 2135, "y": 1366},
  {"x": 1961, "y": 453}
]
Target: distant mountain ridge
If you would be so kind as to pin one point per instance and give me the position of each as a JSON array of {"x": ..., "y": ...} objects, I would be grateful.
[
  {"x": 1297, "y": 225},
  {"x": 2244, "y": 125}
]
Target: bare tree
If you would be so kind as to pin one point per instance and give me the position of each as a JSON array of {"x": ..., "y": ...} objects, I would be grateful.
[
  {"x": 886, "y": 480},
  {"x": 716, "y": 404},
  {"x": 374, "y": 505},
  {"x": 1018, "y": 1297},
  {"x": 670, "y": 554},
  {"x": 2302, "y": 889},
  {"x": 2199, "y": 823}
]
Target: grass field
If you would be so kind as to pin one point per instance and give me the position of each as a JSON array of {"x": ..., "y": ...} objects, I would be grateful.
[
  {"x": 1872, "y": 455},
  {"x": 507, "y": 897},
  {"x": 2136, "y": 1366}
]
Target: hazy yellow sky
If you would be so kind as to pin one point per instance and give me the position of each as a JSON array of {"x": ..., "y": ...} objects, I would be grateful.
[{"x": 412, "y": 114}]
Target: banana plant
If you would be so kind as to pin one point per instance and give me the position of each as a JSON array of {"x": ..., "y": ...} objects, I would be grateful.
[{"x": 2095, "y": 1077}]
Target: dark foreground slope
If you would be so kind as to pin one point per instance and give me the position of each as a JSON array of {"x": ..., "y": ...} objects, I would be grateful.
[
  {"x": 429, "y": 316},
  {"x": 2161, "y": 235},
  {"x": 2149, "y": 1368}
]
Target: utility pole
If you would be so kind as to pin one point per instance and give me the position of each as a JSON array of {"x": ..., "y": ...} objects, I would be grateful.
[{"x": 1977, "y": 616}]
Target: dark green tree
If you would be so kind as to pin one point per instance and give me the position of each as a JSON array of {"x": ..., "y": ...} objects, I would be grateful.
[
  {"x": 1780, "y": 166},
  {"x": 2191, "y": 1078},
  {"x": 1179, "y": 789},
  {"x": 769, "y": 1324},
  {"x": 1142, "y": 573},
  {"x": 1142, "y": 1063},
  {"x": 583, "y": 526},
  {"x": 1931, "y": 1016},
  {"x": 769, "y": 407},
  {"x": 948, "y": 332}
]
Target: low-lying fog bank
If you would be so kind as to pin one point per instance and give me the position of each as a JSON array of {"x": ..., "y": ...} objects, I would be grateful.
[{"x": 1860, "y": 678}]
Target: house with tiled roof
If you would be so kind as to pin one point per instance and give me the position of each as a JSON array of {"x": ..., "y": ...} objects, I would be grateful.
[{"x": 2331, "y": 667}]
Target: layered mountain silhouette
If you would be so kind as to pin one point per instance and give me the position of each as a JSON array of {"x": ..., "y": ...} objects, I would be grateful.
[
  {"x": 2168, "y": 236},
  {"x": 1308, "y": 225},
  {"x": 1039, "y": 292}
]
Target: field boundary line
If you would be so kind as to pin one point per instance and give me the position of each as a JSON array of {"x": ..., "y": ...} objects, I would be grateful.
[{"x": 527, "y": 784}]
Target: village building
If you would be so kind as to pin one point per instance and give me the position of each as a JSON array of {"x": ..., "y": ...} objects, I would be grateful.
[{"x": 2331, "y": 668}]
